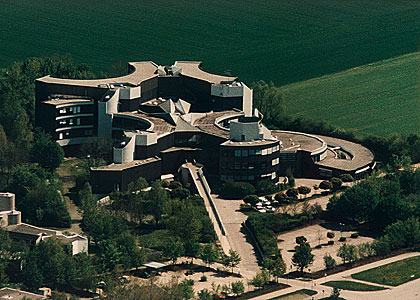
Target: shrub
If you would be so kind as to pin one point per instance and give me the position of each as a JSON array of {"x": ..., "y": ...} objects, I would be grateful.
[
  {"x": 342, "y": 239},
  {"x": 265, "y": 187},
  {"x": 175, "y": 185},
  {"x": 280, "y": 197},
  {"x": 346, "y": 178},
  {"x": 203, "y": 278},
  {"x": 330, "y": 235},
  {"x": 251, "y": 199},
  {"x": 318, "y": 246},
  {"x": 304, "y": 190},
  {"x": 292, "y": 193},
  {"x": 329, "y": 262},
  {"x": 330, "y": 242},
  {"x": 354, "y": 235},
  {"x": 326, "y": 185},
  {"x": 336, "y": 183}
]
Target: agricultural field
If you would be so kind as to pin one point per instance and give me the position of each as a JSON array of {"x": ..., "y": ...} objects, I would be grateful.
[
  {"x": 377, "y": 99},
  {"x": 280, "y": 40}
]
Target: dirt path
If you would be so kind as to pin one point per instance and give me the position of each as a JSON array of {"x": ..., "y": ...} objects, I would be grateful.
[{"x": 64, "y": 171}]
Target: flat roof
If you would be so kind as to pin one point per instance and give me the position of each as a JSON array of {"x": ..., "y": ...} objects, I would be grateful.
[
  {"x": 155, "y": 265},
  {"x": 192, "y": 69},
  {"x": 131, "y": 164},
  {"x": 160, "y": 126},
  {"x": 208, "y": 122},
  {"x": 249, "y": 143},
  {"x": 174, "y": 149},
  {"x": 362, "y": 156},
  {"x": 67, "y": 101},
  {"x": 293, "y": 141},
  {"x": 142, "y": 71},
  {"x": 9, "y": 293},
  {"x": 30, "y": 229}
]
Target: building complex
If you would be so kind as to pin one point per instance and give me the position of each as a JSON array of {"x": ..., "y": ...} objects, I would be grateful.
[{"x": 158, "y": 117}]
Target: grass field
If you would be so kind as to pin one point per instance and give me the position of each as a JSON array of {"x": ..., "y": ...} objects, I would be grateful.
[
  {"x": 280, "y": 40},
  {"x": 378, "y": 98},
  {"x": 393, "y": 274},
  {"x": 353, "y": 286},
  {"x": 296, "y": 295}
]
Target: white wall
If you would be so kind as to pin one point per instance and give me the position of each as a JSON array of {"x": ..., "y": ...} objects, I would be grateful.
[
  {"x": 125, "y": 154},
  {"x": 251, "y": 131},
  {"x": 247, "y": 101}
]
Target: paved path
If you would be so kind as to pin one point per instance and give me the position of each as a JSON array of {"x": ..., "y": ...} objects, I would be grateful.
[
  {"x": 232, "y": 220},
  {"x": 407, "y": 291}
]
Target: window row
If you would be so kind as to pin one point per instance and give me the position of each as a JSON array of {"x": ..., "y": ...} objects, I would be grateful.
[
  {"x": 75, "y": 133},
  {"x": 250, "y": 152},
  {"x": 71, "y": 109},
  {"x": 224, "y": 177},
  {"x": 248, "y": 165}
]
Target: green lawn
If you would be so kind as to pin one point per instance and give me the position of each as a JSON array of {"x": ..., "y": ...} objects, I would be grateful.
[
  {"x": 303, "y": 292},
  {"x": 281, "y": 40},
  {"x": 155, "y": 240},
  {"x": 377, "y": 99},
  {"x": 393, "y": 274},
  {"x": 353, "y": 286}
]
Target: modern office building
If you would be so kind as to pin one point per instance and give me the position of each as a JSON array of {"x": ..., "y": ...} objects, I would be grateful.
[{"x": 157, "y": 117}]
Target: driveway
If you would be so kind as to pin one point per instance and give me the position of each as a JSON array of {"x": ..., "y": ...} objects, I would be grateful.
[{"x": 232, "y": 220}]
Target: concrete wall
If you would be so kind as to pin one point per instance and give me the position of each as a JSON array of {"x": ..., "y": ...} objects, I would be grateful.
[{"x": 7, "y": 201}]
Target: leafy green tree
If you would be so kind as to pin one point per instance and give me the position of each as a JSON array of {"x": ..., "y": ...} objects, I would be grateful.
[
  {"x": 5, "y": 245},
  {"x": 329, "y": 261},
  {"x": 237, "y": 287},
  {"x": 204, "y": 295},
  {"x": 131, "y": 255},
  {"x": 326, "y": 185},
  {"x": 348, "y": 253},
  {"x": 261, "y": 279},
  {"x": 46, "y": 152},
  {"x": 158, "y": 201},
  {"x": 209, "y": 254},
  {"x": 303, "y": 257},
  {"x": 173, "y": 249},
  {"x": 232, "y": 259},
  {"x": 269, "y": 100},
  {"x": 192, "y": 249},
  {"x": 336, "y": 183}
]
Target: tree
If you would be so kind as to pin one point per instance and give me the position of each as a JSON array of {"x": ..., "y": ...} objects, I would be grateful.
[
  {"x": 173, "y": 249},
  {"x": 46, "y": 152},
  {"x": 192, "y": 249},
  {"x": 275, "y": 266},
  {"x": 209, "y": 254},
  {"x": 329, "y": 261},
  {"x": 233, "y": 259},
  {"x": 237, "y": 287},
  {"x": 158, "y": 200},
  {"x": 348, "y": 253},
  {"x": 303, "y": 256},
  {"x": 300, "y": 240},
  {"x": 261, "y": 279},
  {"x": 269, "y": 100},
  {"x": 5, "y": 244},
  {"x": 204, "y": 295}
]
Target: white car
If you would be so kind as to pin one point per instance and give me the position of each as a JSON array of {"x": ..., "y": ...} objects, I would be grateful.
[{"x": 262, "y": 210}]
